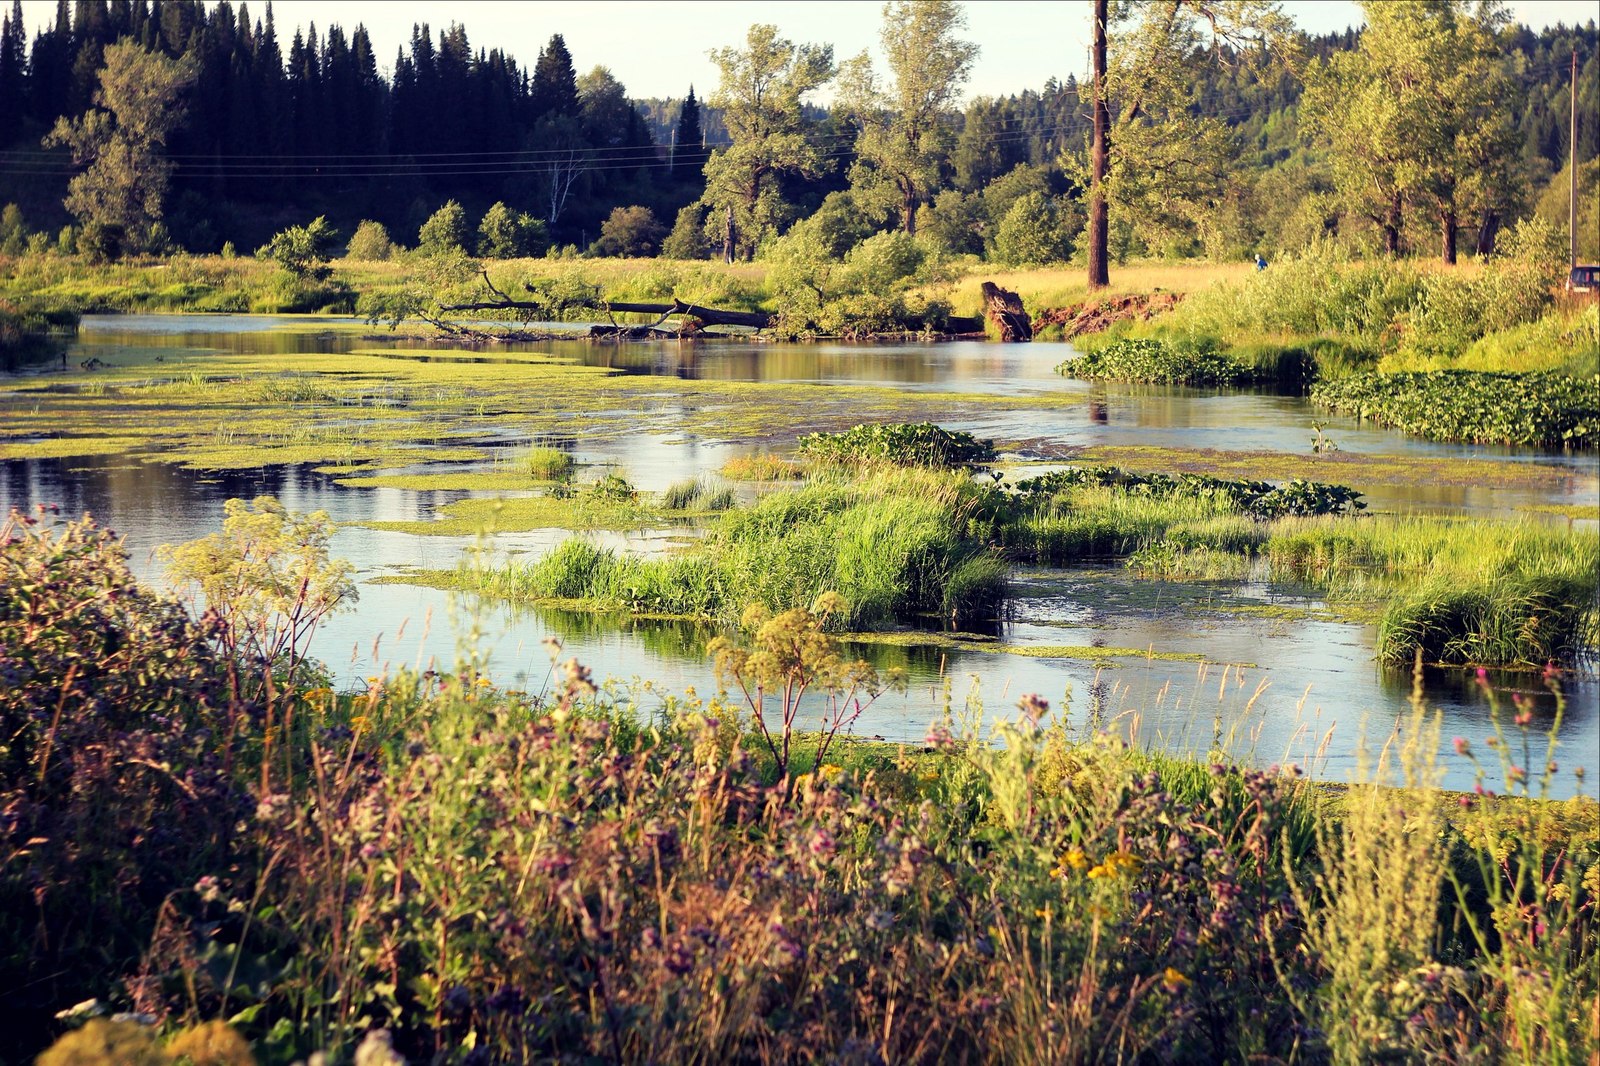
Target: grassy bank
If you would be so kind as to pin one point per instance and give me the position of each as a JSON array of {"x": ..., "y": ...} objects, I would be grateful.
[{"x": 544, "y": 875}]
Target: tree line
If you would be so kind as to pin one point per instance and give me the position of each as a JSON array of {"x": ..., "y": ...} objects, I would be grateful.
[{"x": 1228, "y": 133}]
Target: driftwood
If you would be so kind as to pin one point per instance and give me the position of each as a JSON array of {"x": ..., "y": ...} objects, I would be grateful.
[
  {"x": 692, "y": 318},
  {"x": 1005, "y": 310}
]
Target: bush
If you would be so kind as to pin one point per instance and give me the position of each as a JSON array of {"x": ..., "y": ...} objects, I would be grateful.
[
  {"x": 115, "y": 710},
  {"x": 899, "y": 444},
  {"x": 687, "y": 239},
  {"x": 304, "y": 250},
  {"x": 1153, "y": 362},
  {"x": 632, "y": 232},
  {"x": 370, "y": 243},
  {"x": 508, "y": 234},
  {"x": 13, "y": 231},
  {"x": 1259, "y": 499},
  {"x": 444, "y": 231}
]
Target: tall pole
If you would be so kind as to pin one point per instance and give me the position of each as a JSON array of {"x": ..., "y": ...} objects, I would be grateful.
[
  {"x": 1572, "y": 163},
  {"x": 1099, "y": 273}
]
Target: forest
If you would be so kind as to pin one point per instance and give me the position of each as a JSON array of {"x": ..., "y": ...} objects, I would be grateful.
[{"x": 268, "y": 133}]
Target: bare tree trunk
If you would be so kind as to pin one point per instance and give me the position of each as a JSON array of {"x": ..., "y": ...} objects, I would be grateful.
[
  {"x": 1391, "y": 228},
  {"x": 909, "y": 224},
  {"x": 1488, "y": 232},
  {"x": 1448, "y": 225},
  {"x": 1099, "y": 160}
]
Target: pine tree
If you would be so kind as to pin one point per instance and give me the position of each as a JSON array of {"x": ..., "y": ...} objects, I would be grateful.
[{"x": 13, "y": 73}]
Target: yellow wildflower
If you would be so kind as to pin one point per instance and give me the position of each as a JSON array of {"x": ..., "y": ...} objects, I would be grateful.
[
  {"x": 359, "y": 724},
  {"x": 1173, "y": 980},
  {"x": 829, "y": 771},
  {"x": 1101, "y": 870}
]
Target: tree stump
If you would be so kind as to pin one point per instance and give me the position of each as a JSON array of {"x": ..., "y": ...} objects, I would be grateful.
[{"x": 1005, "y": 310}]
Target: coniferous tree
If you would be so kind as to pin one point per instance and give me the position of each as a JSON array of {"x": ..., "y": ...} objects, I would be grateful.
[
  {"x": 688, "y": 145},
  {"x": 555, "y": 82}
]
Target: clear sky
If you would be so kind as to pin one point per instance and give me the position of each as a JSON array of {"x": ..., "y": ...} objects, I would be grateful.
[{"x": 658, "y": 48}]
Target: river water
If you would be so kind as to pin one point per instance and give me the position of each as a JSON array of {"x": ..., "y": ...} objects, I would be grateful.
[{"x": 1284, "y": 680}]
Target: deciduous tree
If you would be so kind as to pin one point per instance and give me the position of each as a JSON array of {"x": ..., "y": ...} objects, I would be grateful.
[
  {"x": 907, "y": 127},
  {"x": 761, "y": 95},
  {"x": 121, "y": 141}
]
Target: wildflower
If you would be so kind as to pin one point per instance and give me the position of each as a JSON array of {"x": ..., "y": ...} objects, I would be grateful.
[
  {"x": 1483, "y": 675},
  {"x": 1524, "y": 717},
  {"x": 482, "y": 682},
  {"x": 208, "y": 889},
  {"x": 1071, "y": 859},
  {"x": 1461, "y": 746},
  {"x": 1173, "y": 981},
  {"x": 1517, "y": 775},
  {"x": 930, "y": 777},
  {"x": 1102, "y": 870},
  {"x": 360, "y": 723},
  {"x": 829, "y": 771}
]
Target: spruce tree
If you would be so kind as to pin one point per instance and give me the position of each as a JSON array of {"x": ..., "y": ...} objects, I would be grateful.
[
  {"x": 687, "y": 146},
  {"x": 555, "y": 83}
]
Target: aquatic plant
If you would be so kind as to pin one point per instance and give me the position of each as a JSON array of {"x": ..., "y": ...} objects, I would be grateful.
[
  {"x": 899, "y": 444},
  {"x": 1548, "y": 409},
  {"x": 1155, "y": 362},
  {"x": 548, "y": 464},
  {"x": 1260, "y": 499}
]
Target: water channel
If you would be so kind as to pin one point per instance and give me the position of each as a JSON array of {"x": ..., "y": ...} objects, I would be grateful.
[{"x": 1284, "y": 681}]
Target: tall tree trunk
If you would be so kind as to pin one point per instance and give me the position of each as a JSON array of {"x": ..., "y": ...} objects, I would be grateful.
[
  {"x": 1448, "y": 227},
  {"x": 1099, "y": 160},
  {"x": 727, "y": 235},
  {"x": 909, "y": 223},
  {"x": 1488, "y": 232},
  {"x": 1391, "y": 228}
]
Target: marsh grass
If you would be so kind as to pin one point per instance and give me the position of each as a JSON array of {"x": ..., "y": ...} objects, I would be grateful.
[
  {"x": 546, "y": 463},
  {"x": 892, "y": 544}
]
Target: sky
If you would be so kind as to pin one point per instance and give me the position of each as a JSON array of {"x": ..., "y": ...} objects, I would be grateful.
[{"x": 658, "y": 48}]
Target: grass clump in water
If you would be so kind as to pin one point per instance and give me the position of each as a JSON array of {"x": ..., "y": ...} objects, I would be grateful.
[
  {"x": 548, "y": 464},
  {"x": 893, "y": 546},
  {"x": 1154, "y": 362},
  {"x": 898, "y": 444},
  {"x": 762, "y": 466}
]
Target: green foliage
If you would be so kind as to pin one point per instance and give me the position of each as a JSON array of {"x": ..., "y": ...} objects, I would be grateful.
[
  {"x": 1540, "y": 409},
  {"x": 630, "y": 232},
  {"x": 1258, "y": 499},
  {"x": 370, "y": 243},
  {"x": 508, "y": 234},
  {"x": 898, "y": 444},
  {"x": 114, "y": 711},
  {"x": 905, "y": 127},
  {"x": 304, "y": 250},
  {"x": 445, "y": 231},
  {"x": 891, "y": 552},
  {"x": 1503, "y": 621},
  {"x": 869, "y": 291},
  {"x": 761, "y": 92},
  {"x": 268, "y": 578},
  {"x": 687, "y": 240},
  {"x": 549, "y": 464},
  {"x": 13, "y": 231},
  {"x": 1035, "y": 231},
  {"x": 121, "y": 143},
  {"x": 1154, "y": 362}
]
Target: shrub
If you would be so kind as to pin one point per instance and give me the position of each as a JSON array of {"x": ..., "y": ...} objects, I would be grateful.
[
  {"x": 370, "y": 243},
  {"x": 900, "y": 444},
  {"x": 304, "y": 250},
  {"x": 1153, "y": 362},
  {"x": 631, "y": 232},
  {"x": 444, "y": 231},
  {"x": 1259, "y": 499},
  {"x": 115, "y": 712},
  {"x": 508, "y": 234},
  {"x": 687, "y": 239}
]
